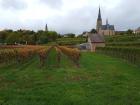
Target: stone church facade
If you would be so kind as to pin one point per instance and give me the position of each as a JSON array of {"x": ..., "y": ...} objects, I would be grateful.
[{"x": 104, "y": 29}]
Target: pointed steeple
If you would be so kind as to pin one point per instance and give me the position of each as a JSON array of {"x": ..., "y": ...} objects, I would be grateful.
[
  {"x": 99, "y": 14},
  {"x": 107, "y": 24},
  {"x": 106, "y": 21},
  {"x": 99, "y": 21},
  {"x": 46, "y": 27}
]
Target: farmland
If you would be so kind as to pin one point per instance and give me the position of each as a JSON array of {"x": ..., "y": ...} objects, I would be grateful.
[
  {"x": 69, "y": 52},
  {"x": 85, "y": 79},
  {"x": 70, "y": 41}
]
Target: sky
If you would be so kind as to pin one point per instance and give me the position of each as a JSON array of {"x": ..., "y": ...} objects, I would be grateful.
[{"x": 68, "y": 16}]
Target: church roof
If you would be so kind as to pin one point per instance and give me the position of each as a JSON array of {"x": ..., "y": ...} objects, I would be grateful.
[
  {"x": 96, "y": 38},
  {"x": 106, "y": 27}
]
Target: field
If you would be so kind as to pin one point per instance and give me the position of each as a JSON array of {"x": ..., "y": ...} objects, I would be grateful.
[
  {"x": 70, "y": 41},
  {"x": 98, "y": 80}
]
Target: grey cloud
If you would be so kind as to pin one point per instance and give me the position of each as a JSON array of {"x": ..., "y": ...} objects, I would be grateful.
[
  {"x": 15, "y": 24},
  {"x": 126, "y": 15},
  {"x": 53, "y": 3},
  {"x": 13, "y": 4},
  {"x": 76, "y": 21}
]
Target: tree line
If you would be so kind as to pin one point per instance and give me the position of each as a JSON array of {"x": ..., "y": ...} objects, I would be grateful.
[
  {"x": 11, "y": 37},
  {"x": 27, "y": 37}
]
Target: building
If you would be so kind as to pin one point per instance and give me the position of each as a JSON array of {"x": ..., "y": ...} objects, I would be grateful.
[
  {"x": 84, "y": 46},
  {"x": 104, "y": 29},
  {"x": 137, "y": 31},
  {"x": 46, "y": 27},
  {"x": 95, "y": 40},
  {"x": 96, "y": 37}
]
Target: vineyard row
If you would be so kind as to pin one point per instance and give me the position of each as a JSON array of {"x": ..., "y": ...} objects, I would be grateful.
[
  {"x": 21, "y": 55},
  {"x": 135, "y": 44},
  {"x": 122, "y": 38},
  {"x": 18, "y": 55},
  {"x": 130, "y": 54}
]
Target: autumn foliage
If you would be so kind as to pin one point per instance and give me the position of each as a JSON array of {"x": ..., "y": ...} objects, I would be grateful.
[
  {"x": 22, "y": 54},
  {"x": 72, "y": 53}
]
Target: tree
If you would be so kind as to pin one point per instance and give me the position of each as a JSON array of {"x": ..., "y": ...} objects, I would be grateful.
[
  {"x": 70, "y": 35},
  {"x": 3, "y": 36},
  {"x": 35, "y": 38},
  {"x": 43, "y": 38},
  {"x": 93, "y": 31},
  {"x": 46, "y": 36},
  {"x": 60, "y": 36},
  {"x": 129, "y": 31},
  {"x": 13, "y": 37},
  {"x": 52, "y": 35},
  {"x": 26, "y": 32},
  {"x": 23, "y": 36}
]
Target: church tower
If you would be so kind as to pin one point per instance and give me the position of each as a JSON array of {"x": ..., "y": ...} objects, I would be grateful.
[
  {"x": 46, "y": 27},
  {"x": 99, "y": 21}
]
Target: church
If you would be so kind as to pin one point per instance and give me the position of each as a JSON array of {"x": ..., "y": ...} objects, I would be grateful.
[
  {"x": 97, "y": 39},
  {"x": 106, "y": 29}
]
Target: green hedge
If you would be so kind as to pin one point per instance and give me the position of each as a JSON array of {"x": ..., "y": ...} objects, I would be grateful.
[{"x": 130, "y": 54}]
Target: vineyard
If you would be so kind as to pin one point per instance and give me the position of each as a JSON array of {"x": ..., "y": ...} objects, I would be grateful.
[
  {"x": 70, "y": 41},
  {"x": 62, "y": 75},
  {"x": 123, "y": 38},
  {"x": 14, "y": 54},
  {"x": 126, "y": 47},
  {"x": 61, "y": 78},
  {"x": 19, "y": 55}
]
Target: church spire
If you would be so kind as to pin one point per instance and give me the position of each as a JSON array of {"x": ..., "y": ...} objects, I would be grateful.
[
  {"x": 106, "y": 21},
  {"x": 99, "y": 14},
  {"x": 107, "y": 24},
  {"x": 99, "y": 21},
  {"x": 46, "y": 27}
]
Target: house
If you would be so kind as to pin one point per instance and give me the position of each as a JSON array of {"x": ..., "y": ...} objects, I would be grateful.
[{"x": 95, "y": 40}]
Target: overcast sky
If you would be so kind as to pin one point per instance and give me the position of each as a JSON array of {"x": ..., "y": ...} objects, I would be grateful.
[{"x": 68, "y": 16}]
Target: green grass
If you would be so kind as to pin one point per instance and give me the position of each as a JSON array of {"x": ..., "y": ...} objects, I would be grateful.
[{"x": 101, "y": 80}]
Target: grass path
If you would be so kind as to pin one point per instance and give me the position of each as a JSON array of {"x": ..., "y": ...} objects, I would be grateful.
[{"x": 101, "y": 80}]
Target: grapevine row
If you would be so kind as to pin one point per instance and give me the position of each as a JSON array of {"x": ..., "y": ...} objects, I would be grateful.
[
  {"x": 123, "y": 38},
  {"x": 130, "y": 54},
  {"x": 26, "y": 53},
  {"x": 73, "y": 54},
  {"x": 18, "y": 55},
  {"x": 133, "y": 44}
]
